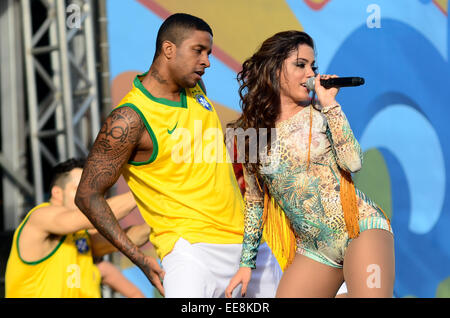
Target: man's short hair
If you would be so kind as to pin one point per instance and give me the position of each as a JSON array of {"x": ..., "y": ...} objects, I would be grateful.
[
  {"x": 61, "y": 171},
  {"x": 177, "y": 27}
]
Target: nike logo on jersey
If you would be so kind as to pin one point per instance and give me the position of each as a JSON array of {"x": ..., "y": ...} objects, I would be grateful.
[{"x": 171, "y": 131}]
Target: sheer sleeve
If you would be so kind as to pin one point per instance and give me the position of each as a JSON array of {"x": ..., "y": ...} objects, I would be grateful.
[
  {"x": 254, "y": 206},
  {"x": 346, "y": 148}
]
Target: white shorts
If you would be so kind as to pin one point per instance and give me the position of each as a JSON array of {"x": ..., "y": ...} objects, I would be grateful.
[
  {"x": 204, "y": 270},
  {"x": 342, "y": 289}
]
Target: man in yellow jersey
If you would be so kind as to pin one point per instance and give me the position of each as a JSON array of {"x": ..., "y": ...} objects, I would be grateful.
[
  {"x": 166, "y": 139},
  {"x": 52, "y": 252}
]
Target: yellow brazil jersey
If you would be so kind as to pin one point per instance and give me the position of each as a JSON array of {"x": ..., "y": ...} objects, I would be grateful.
[
  {"x": 187, "y": 188},
  {"x": 66, "y": 272}
]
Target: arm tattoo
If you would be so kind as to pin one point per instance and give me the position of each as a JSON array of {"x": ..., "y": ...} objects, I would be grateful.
[
  {"x": 112, "y": 149},
  {"x": 115, "y": 142}
]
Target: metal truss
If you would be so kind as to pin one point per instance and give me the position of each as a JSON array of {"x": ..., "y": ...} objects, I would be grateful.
[
  {"x": 15, "y": 186},
  {"x": 63, "y": 117}
]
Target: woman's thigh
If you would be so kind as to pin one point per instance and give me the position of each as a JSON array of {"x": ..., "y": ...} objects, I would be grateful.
[
  {"x": 369, "y": 265},
  {"x": 308, "y": 278}
]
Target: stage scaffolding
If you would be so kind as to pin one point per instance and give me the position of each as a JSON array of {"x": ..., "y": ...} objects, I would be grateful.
[{"x": 51, "y": 52}]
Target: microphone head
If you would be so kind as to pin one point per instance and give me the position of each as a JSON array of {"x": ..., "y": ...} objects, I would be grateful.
[
  {"x": 310, "y": 83},
  {"x": 358, "y": 81}
]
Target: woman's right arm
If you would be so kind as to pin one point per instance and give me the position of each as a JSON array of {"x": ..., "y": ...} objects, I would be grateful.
[{"x": 253, "y": 214}]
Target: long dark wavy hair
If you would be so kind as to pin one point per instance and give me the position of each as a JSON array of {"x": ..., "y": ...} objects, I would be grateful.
[{"x": 259, "y": 89}]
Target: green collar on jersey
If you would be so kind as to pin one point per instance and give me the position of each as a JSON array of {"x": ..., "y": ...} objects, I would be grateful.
[{"x": 182, "y": 103}]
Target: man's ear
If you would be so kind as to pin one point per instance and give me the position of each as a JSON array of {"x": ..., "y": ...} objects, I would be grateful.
[
  {"x": 57, "y": 193},
  {"x": 169, "y": 49}
]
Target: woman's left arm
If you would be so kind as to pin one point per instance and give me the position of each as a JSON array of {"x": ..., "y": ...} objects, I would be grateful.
[{"x": 346, "y": 148}]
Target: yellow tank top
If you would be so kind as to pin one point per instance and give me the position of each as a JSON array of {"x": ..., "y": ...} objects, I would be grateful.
[
  {"x": 67, "y": 272},
  {"x": 187, "y": 188}
]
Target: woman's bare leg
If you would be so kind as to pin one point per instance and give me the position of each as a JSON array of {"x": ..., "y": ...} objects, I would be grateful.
[
  {"x": 369, "y": 265},
  {"x": 308, "y": 278}
]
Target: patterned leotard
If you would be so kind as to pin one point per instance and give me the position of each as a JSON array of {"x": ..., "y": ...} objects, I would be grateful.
[{"x": 310, "y": 198}]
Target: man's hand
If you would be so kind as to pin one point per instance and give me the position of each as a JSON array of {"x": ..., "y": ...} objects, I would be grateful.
[{"x": 154, "y": 273}]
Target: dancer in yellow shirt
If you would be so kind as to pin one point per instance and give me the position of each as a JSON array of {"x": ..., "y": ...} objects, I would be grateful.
[{"x": 52, "y": 252}]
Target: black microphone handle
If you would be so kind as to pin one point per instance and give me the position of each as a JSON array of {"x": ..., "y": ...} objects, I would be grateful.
[{"x": 342, "y": 82}]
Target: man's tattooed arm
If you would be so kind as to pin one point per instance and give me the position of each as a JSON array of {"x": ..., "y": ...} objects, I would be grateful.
[{"x": 112, "y": 149}]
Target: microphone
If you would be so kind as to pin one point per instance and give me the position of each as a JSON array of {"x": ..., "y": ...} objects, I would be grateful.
[{"x": 335, "y": 82}]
